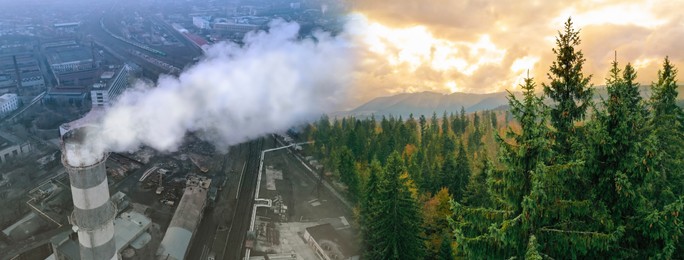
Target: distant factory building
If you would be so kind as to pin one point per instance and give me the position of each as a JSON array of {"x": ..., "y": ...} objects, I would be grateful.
[
  {"x": 12, "y": 147},
  {"x": 66, "y": 95},
  {"x": 112, "y": 84},
  {"x": 201, "y": 22},
  {"x": 176, "y": 242},
  {"x": 328, "y": 244},
  {"x": 70, "y": 58},
  {"x": 71, "y": 64},
  {"x": 18, "y": 62},
  {"x": 8, "y": 103},
  {"x": 223, "y": 25}
]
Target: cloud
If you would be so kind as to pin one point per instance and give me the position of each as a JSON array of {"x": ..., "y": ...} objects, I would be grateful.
[
  {"x": 488, "y": 46},
  {"x": 236, "y": 93}
]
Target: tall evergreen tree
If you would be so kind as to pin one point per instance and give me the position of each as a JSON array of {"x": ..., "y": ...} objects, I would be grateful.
[
  {"x": 368, "y": 212},
  {"x": 445, "y": 250},
  {"x": 479, "y": 230},
  {"x": 435, "y": 224},
  {"x": 667, "y": 126},
  {"x": 477, "y": 190},
  {"x": 529, "y": 199},
  {"x": 464, "y": 120},
  {"x": 569, "y": 90},
  {"x": 398, "y": 218},
  {"x": 463, "y": 173},
  {"x": 619, "y": 156},
  {"x": 348, "y": 173},
  {"x": 662, "y": 224}
]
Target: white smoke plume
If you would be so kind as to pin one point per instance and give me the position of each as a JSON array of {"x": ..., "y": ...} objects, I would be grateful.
[{"x": 235, "y": 93}]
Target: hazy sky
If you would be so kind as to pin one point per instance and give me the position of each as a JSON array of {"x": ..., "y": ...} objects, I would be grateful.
[{"x": 487, "y": 46}]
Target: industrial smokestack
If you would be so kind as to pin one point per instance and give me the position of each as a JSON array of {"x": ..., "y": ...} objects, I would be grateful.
[{"x": 93, "y": 215}]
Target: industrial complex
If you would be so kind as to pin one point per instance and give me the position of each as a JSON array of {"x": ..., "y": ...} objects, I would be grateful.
[{"x": 60, "y": 72}]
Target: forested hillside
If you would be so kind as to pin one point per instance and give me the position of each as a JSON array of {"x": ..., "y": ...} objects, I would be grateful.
[{"x": 567, "y": 178}]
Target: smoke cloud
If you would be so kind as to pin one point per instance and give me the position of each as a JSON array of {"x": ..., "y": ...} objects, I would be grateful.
[{"x": 274, "y": 81}]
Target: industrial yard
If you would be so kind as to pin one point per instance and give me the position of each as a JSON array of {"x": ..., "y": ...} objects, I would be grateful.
[{"x": 298, "y": 201}]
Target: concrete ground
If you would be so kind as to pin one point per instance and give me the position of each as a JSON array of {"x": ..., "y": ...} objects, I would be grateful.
[{"x": 308, "y": 203}]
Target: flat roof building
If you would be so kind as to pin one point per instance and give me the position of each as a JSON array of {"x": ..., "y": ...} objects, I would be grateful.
[
  {"x": 328, "y": 244},
  {"x": 8, "y": 103},
  {"x": 128, "y": 227},
  {"x": 111, "y": 85},
  {"x": 179, "y": 235},
  {"x": 12, "y": 147}
]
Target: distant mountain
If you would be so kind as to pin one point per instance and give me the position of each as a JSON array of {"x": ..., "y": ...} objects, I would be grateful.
[{"x": 426, "y": 103}]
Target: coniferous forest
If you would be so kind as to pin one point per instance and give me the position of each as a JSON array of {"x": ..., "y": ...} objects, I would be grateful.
[{"x": 559, "y": 174}]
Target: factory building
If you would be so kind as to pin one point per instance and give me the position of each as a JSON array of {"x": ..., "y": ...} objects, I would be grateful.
[
  {"x": 8, "y": 103},
  {"x": 112, "y": 84},
  {"x": 19, "y": 68},
  {"x": 224, "y": 26},
  {"x": 94, "y": 212},
  {"x": 179, "y": 235},
  {"x": 201, "y": 22},
  {"x": 71, "y": 63},
  {"x": 328, "y": 244},
  {"x": 130, "y": 230},
  {"x": 70, "y": 58},
  {"x": 66, "y": 95},
  {"x": 12, "y": 147}
]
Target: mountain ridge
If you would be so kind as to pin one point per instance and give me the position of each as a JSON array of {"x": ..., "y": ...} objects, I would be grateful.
[{"x": 428, "y": 102}]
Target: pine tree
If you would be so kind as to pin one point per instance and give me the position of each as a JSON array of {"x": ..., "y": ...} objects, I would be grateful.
[
  {"x": 477, "y": 190},
  {"x": 662, "y": 224},
  {"x": 435, "y": 225},
  {"x": 445, "y": 250},
  {"x": 398, "y": 218},
  {"x": 619, "y": 156},
  {"x": 423, "y": 130},
  {"x": 495, "y": 124},
  {"x": 533, "y": 250},
  {"x": 569, "y": 90},
  {"x": 445, "y": 124},
  {"x": 463, "y": 173},
  {"x": 464, "y": 120},
  {"x": 348, "y": 173},
  {"x": 667, "y": 127},
  {"x": 479, "y": 230},
  {"x": 368, "y": 204},
  {"x": 530, "y": 197}
]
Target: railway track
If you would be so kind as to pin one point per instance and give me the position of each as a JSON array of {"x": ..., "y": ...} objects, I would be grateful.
[{"x": 235, "y": 241}]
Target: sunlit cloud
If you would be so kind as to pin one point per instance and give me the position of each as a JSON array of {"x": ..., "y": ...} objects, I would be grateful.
[
  {"x": 639, "y": 14},
  {"x": 484, "y": 47}
]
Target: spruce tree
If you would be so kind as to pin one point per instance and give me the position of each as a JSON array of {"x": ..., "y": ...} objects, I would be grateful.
[
  {"x": 569, "y": 90},
  {"x": 368, "y": 212},
  {"x": 463, "y": 173},
  {"x": 498, "y": 231},
  {"x": 662, "y": 223},
  {"x": 348, "y": 173},
  {"x": 531, "y": 199},
  {"x": 619, "y": 156},
  {"x": 398, "y": 218},
  {"x": 445, "y": 250},
  {"x": 477, "y": 190},
  {"x": 667, "y": 127}
]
